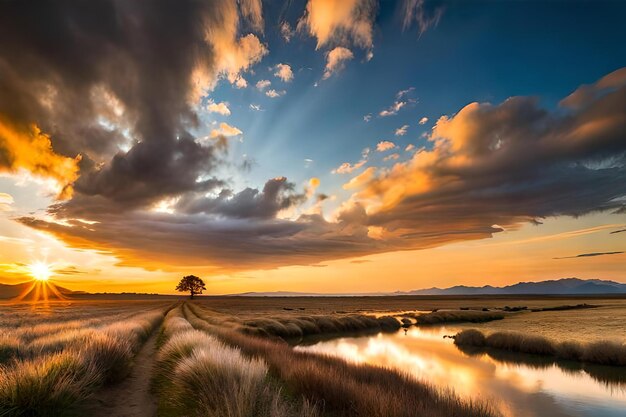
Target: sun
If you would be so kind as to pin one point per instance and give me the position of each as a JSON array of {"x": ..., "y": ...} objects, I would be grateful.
[{"x": 40, "y": 271}]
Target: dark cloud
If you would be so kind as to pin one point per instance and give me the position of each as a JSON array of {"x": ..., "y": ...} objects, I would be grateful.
[
  {"x": 617, "y": 231},
  {"x": 97, "y": 75},
  {"x": 277, "y": 194},
  {"x": 589, "y": 255}
]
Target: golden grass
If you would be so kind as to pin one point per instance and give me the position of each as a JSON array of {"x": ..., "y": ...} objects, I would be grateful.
[
  {"x": 599, "y": 352},
  {"x": 201, "y": 376},
  {"x": 48, "y": 374}
]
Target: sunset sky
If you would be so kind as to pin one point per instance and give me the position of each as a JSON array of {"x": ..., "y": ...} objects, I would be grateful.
[{"x": 319, "y": 146}]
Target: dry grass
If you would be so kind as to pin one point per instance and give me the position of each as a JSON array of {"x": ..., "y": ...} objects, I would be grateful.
[
  {"x": 460, "y": 316},
  {"x": 300, "y": 326},
  {"x": 46, "y": 386},
  {"x": 345, "y": 389},
  {"x": 50, "y": 368},
  {"x": 198, "y": 375},
  {"x": 600, "y": 352}
]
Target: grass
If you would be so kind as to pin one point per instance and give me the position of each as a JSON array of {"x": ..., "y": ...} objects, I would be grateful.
[
  {"x": 51, "y": 368},
  {"x": 344, "y": 389},
  {"x": 46, "y": 386},
  {"x": 461, "y": 316},
  {"x": 198, "y": 375},
  {"x": 300, "y": 326},
  {"x": 600, "y": 352}
]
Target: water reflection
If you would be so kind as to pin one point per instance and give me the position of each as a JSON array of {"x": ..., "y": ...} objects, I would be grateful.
[{"x": 518, "y": 385}]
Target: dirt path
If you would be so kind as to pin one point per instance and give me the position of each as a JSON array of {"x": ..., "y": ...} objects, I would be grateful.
[{"x": 131, "y": 397}]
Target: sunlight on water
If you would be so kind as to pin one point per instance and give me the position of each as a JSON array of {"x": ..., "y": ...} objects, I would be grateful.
[{"x": 525, "y": 386}]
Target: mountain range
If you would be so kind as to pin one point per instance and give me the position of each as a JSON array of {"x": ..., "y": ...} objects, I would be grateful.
[{"x": 564, "y": 286}]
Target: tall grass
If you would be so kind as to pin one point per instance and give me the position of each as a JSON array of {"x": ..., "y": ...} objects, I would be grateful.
[
  {"x": 461, "y": 316},
  {"x": 297, "y": 327},
  {"x": 49, "y": 374},
  {"x": 601, "y": 352},
  {"x": 201, "y": 376},
  {"x": 345, "y": 389}
]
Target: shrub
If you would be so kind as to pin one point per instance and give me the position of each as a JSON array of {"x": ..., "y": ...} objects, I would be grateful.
[{"x": 470, "y": 337}]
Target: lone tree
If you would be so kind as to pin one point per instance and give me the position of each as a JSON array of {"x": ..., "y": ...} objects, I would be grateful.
[{"x": 191, "y": 283}]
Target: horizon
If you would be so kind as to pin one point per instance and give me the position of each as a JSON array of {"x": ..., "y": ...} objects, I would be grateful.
[{"x": 328, "y": 147}]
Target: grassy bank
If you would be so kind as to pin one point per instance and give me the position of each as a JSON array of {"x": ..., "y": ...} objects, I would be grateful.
[
  {"x": 344, "y": 389},
  {"x": 459, "y": 316},
  {"x": 600, "y": 352}
]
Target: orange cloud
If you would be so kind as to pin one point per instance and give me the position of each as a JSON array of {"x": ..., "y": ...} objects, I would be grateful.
[
  {"x": 31, "y": 150},
  {"x": 339, "y": 21}
]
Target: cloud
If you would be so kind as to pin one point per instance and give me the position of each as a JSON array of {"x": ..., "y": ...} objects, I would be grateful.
[
  {"x": 220, "y": 108},
  {"x": 274, "y": 94},
  {"x": 340, "y": 22},
  {"x": 6, "y": 200},
  {"x": 423, "y": 120},
  {"x": 112, "y": 82},
  {"x": 617, "y": 231},
  {"x": 263, "y": 84},
  {"x": 393, "y": 109},
  {"x": 252, "y": 10},
  {"x": 391, "y": 157},
  {"x": 409, "y": 147},
  {"x": 416, "y": 11},
  {"x": 28, "y": 148},
  {"x": 286, "y": 31},
  {"x": 367, "y": 117},
  {"x": 504, "y": 164},
  {"x": 588, "y": 94},
  {"x": 336, "y": 60},
  {"x": 385, "y": 145},
  {"x": 240, "y": 82},
  {"x": 404, "y": 93},
  {"x": 255, "y": 107},
  {"x": 401, "y": 131},
  {"x": 347, "y": 168},
  {"x": 588, "y": 255},
  {"x": 283, "y": 71},
  {"x": 225, "y": 130}
]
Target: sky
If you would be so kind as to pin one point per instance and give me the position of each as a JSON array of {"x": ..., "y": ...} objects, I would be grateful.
[{"x": 333, "y": 146}]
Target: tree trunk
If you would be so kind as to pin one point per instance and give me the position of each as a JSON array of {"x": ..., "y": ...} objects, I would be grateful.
[{"x": 191, "y": 297}]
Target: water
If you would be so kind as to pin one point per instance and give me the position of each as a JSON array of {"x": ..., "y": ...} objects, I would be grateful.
[{"x": 517, "y": 385}]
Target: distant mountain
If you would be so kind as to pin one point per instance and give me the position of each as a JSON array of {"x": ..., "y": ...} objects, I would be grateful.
[
  {"x": 565, "y": 286},
  {"x": 28, "y": 291}
]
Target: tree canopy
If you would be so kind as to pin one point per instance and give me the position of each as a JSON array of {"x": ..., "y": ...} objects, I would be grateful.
[{"x": 191, "y": 284}]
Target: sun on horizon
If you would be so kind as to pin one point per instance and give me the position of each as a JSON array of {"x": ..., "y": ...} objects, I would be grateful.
[{"x": 40, "y": 271}]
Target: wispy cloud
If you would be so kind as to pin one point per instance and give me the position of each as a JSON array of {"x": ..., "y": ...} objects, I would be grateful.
[
  {"x": 589, "y": 255},
  {"x": 336, "y": 60},
  {"x": 401, "y": 131},
  {"x": 271, "y": 93}
]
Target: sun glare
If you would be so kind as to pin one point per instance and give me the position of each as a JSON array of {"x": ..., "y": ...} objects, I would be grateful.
[{"x": 40, "y": 271}]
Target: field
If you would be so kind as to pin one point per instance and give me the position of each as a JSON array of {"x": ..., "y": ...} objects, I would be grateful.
[{"x": 233, "y": 356}]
